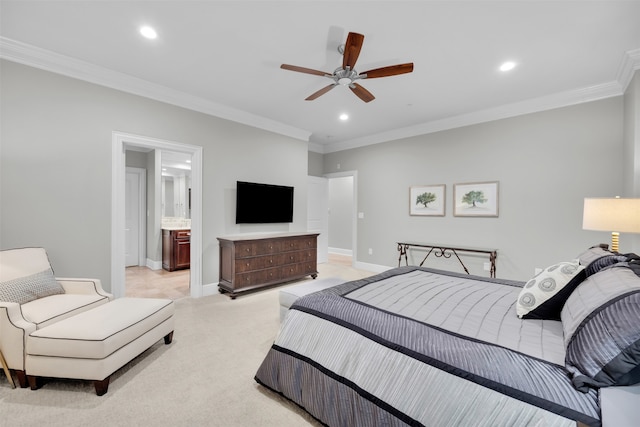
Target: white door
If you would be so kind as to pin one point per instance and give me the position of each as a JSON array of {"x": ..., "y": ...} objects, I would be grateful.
[
  {"x": 318, "y": 213},
  {"x": 132, "y": 215}
]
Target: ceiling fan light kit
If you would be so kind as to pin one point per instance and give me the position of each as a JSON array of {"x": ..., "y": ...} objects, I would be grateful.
[{"x": 347, "y": 75}]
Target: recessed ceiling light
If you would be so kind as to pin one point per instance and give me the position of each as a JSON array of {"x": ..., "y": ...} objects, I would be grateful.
[
  {"x": 507, "y": 66},
  {"x": 344, "y": 117},
  {"x": 148, "y": 32}
]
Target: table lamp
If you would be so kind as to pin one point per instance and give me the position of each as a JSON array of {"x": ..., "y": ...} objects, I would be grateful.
[{"x": 609, "y": 214}]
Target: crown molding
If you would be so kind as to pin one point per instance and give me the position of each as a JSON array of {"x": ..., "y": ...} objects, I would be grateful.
[
  {"x": 629, "y": 64},
  {"x": 36, "y": 57},
  {"x": 316, "y": 147},
  {"x": 40, "y": 58},
  {"x": 563, "y": 99}
]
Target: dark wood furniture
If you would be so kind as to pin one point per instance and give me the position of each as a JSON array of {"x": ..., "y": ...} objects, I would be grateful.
[
  {"x": 446, "y": 251},
  {"x": 251, "y": 262},
  {"x": 176, "y": 249}
]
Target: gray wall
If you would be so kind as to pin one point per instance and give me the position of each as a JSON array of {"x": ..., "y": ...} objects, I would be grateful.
[
  {"x": 55, "y": 167},
  {"x": 315, "y": 165},
  {"x": 632, "y": 138},
  {"x": 632, "y": 149},
  {"x": 546, "y": 163},
  {"x": 341, "y": 213}
]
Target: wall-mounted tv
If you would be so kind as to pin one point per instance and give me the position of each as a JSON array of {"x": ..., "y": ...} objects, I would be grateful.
[{"x": 263, "y": 203}]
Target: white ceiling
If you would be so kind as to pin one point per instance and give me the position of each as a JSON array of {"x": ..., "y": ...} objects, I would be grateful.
[{"x": 223, "y": 58}]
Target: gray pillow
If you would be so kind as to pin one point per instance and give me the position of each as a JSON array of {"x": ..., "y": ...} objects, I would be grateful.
[
  {"x": 601, "y": 323},
  {"x": 593, "y": 253},
  {"x": 29, "y": 288}
]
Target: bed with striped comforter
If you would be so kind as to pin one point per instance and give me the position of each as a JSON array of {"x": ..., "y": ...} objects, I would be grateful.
[{"x": 424, "y": 347}]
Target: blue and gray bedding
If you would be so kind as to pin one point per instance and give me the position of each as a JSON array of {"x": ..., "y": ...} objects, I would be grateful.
[{"x": 423, "y": 347}]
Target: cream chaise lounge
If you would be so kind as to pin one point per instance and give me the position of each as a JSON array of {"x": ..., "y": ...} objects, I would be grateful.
[{"x": 70, "y": 328}]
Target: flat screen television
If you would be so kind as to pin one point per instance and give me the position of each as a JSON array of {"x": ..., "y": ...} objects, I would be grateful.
[{"x": 263, "y": 203}]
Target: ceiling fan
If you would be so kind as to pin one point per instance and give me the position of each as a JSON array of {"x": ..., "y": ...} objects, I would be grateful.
[{"x": 347, "y": 75}]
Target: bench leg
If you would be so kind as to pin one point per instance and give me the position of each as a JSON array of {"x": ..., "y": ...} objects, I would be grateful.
[
  {"x": 22, "y": 378},
  {"x": 102, "y": 386},
  {"x": 168, "y": 338},
  {"x": 33, "y": 382}
]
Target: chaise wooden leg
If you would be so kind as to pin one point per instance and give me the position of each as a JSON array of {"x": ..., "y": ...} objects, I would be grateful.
[
  {"x": 33, "y": 382},
  {"x": 102, "y": 386},
  {"x": 168, "y": 338},
  {"x": 22, "y": 378}
]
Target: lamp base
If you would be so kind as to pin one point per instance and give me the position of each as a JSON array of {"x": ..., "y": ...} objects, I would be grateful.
[{"x": 615, "y": 237}]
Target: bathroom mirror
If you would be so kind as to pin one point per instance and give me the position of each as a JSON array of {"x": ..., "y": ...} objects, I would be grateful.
[{"x": 176, "y": 184}]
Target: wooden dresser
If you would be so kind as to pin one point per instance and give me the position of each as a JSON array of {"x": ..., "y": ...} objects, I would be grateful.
[{"x": 250, "y": 262}]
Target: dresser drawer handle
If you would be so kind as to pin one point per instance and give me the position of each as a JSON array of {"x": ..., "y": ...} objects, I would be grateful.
[{"x": 248, "y": 264}]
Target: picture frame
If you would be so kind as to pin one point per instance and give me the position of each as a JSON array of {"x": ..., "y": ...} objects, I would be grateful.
[
  {"x": 427, "y": 200},
  {"x": 476, "y": 199}
]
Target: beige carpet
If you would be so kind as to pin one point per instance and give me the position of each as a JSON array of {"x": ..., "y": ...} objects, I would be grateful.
[{"x": 204, "y": 378}]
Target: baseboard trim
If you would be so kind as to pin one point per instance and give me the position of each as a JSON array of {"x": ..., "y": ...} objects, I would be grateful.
[
  {"x": 376, "y": 268},
  {"x": 154, "y": 265},
  {"x": 339, "y": 251},
  {"x": 210, "y": 289}
]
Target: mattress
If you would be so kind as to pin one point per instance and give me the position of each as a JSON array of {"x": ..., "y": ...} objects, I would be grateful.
[{"x": 423, "y": 347}]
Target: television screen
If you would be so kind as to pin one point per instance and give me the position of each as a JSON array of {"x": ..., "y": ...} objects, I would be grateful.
[{"x": 263, "y": 203}]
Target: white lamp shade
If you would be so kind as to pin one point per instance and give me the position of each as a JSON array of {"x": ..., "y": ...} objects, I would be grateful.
[{"x": 611, "y": 214}]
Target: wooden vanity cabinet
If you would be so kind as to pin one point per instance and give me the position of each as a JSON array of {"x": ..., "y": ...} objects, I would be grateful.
[
  {"x": 176, "y": 249},
  {"x": 252, "y": 262}
]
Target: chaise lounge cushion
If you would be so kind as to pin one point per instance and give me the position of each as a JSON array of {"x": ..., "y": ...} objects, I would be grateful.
[
  {"x": 98, "y": 333},
  {"x": 45, "y": 311}
]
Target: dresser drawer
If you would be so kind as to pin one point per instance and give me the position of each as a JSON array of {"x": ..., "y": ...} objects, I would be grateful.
[
  {"x": 256, "y": 248},
  {"x": 254, "y": 278},
  {"x": 256, "y": 263},
  {"x": 290, "y": 270}
]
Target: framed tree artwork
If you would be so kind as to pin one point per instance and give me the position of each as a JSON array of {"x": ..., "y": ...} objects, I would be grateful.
[
  {"x": 427, "y": 200},
  {"x": 478, "y": 199}
]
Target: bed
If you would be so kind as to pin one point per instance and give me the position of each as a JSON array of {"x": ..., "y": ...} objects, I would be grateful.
[{"x": 425, "y": 347}]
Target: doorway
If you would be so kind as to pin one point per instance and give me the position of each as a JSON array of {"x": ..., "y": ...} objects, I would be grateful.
[
  {"x": 342, "y": 209},
  {"x": 120, "y": 142}
]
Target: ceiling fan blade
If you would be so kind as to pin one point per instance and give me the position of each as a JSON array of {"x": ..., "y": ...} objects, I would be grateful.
[
  {"x": 303, "y": 70},
  {"x": 352, "y": 50},
  {"x": 392, "y": 70},
  {"x": 361, "y": 92},
  {"x": 320, "y": 92}
]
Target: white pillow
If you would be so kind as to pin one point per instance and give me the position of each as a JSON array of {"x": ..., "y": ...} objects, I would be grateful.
[{"x": 544, "y": 295}]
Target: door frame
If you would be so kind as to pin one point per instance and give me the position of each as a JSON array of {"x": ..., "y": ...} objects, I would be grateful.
[
  {"x": 142, "y": 209},
  {"x": 119, "y": 142}
]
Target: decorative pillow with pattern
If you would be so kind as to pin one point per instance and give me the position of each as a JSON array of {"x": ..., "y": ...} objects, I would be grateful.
[
  {"x": 600, "y": 323},
  {"x": 543, "y": 296},
  {"x": 29, "y": 288}
]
